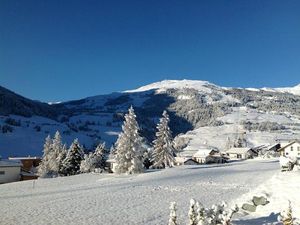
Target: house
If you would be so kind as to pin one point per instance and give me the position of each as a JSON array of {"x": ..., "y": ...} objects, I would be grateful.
[
  {"x": 208, "y": 155},
  {"x": 291, "y": 150},
  {"x": 28, "y": 163},
  {"x": 241, "y": 153},
  {"x": 9, "y": 171},
  {"x": 29, "y": 166},
  {"x": 179, "y": 161},
  {"x": 110, "y": 165}
]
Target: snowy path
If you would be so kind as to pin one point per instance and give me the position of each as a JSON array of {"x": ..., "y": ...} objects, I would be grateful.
[{"x": 140, "y": 199}]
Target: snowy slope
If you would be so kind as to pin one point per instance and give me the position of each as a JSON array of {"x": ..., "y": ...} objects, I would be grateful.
[
  {"x": 280, "y": 189},
  {"x": 129, "y": 199},
  {"x": 293, "y": 90},
  {"x": 198, "y": 85}
]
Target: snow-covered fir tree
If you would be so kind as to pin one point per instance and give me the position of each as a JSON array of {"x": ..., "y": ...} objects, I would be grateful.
[
  {"x": 128, "y": 150},
  {"x": 100, "y": 155},
  {"x": 163, "y": 150},
  {"x": 61, "y": 157},
  {"x": 193, "y": 213},
  {"x": 286, "y": 217},
  {"x": 55, "y": 154},
  {"x": 44, "y": 168},
  {"x": 215, "y": 215},
  {"x": 71, "y": 164},
  {"x": 173, "y": 215},
  {"x": 88, "y": 163}
]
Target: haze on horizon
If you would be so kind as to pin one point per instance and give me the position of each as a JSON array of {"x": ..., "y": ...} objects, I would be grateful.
[{"x": 62, "y": 50}]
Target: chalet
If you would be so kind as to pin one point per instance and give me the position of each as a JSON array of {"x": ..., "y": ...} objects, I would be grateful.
[
  {"x": 29, "y": 166},
  {"x": 9, "y": 171},
  {"x": 28, "y": 163},
  {"x": 291, "y": 150},
  {"x": 208, "y": 155},
  {"x": 241, "y": 153},
  {"x": 110, "y": 165},
  {"x": 179, "y": 161}
]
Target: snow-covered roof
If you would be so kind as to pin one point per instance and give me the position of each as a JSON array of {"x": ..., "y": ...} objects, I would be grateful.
[
  {"x": 180, "y": 159},
  {"x": 204, "y": 152},
  {"x": 7, "y": 163},
  {"x": 238, "y": 150},
  {"x": 23, "y": 158}
]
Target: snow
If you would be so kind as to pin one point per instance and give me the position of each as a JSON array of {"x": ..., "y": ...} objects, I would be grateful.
[
  {"x": 293, "y": 90},
  {"x": 177, "y": 84},
  {"x": 129, "y": 199},
  {"x": 283, "y": 186}
]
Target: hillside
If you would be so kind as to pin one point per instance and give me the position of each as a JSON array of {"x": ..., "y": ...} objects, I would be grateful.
[
  {"x": 132, "y": 199},
  {"x": 200, "y": 112}
]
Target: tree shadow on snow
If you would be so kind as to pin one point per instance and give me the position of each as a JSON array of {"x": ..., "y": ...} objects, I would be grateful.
[{"x": 271, "y": 219}]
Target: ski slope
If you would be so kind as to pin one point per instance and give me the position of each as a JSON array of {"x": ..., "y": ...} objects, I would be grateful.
[{"x": 128, "y": 199}]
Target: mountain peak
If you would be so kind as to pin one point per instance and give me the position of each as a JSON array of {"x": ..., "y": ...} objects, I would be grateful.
[{"x": 177, "y": 84}]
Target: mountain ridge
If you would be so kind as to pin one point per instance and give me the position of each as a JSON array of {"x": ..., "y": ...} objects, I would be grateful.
[{"x": 194, "y": 107}]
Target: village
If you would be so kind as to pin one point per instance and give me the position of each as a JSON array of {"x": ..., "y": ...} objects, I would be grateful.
[{"x": 16, "y": 169}]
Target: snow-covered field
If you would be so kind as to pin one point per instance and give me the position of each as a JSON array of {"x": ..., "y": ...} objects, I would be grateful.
[
  {"x": 131, "y": 199},
  {"x": 281, "y": 188}
]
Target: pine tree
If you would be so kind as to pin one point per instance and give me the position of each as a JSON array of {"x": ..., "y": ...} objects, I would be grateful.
[
  {"x": 44, "y": 168},
  {"x": 287, "y": 217},
  {"x": 57, "y": 148},
  {"x": 61, "y": 157},
  {"x": 173, "y": 216},
  {"x": 87, "y": 165},
  {"x": 71, "y": 164},
  {"x": 128, "y": 154},
  {"x": 193, "y": 213},
  {"x": 100, "y": 156},
  {"x": 200, "y": 210},
  {"x": 163, "y": 154}
]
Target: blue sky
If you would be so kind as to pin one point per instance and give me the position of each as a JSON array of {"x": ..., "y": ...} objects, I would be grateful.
[{"x": 57, "y": 50}]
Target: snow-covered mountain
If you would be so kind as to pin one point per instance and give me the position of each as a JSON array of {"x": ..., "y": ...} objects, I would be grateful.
[{"x": 201, "y": 113}]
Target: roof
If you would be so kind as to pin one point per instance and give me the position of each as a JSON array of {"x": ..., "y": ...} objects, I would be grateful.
[
  {"x": 289, "y": 144},
  {"x": 181, "y": 159},
  {"x": 7, "y": 163},
  {"x": 23, "y": 158},
  {"x": 272, "y": 146},
  {"x": 204, "y": 152},
  {"x": 238, "y": 150}
]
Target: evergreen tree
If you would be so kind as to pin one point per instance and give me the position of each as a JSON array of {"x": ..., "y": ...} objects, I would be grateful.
[
  {"x": 128, "y": 154},
  {"x": 163, "y": 154},
  {"x": 44, "y": 168},
  {"x": 100, "y": 156},
  {"x": 87, "y": 165},
  {"x": 287, "y": 216},
  {"x": 61, "y": 157},
  {"x": 173, "y": 216},
  {"x": 71, "y": 164},
  {"x": 193, "y": 213},
  {"x": 54, "y": 156}
]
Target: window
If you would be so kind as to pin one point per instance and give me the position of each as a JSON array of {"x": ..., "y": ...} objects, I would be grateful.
[
  {"x": 298, "y": 148},
  {"x": 292, "y": 148},
  {"x": 2, "y": 172},
  {"x": 286, "y": 153}
]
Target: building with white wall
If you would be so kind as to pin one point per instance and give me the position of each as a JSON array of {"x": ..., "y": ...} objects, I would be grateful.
[{"x": 9, "y": 171}]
